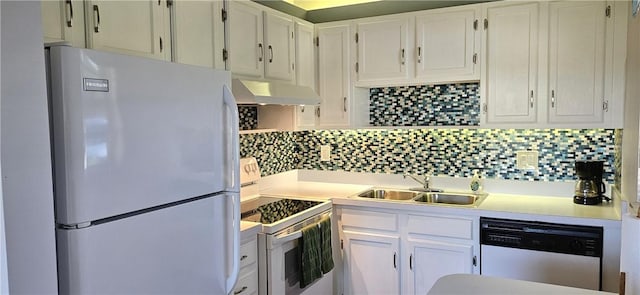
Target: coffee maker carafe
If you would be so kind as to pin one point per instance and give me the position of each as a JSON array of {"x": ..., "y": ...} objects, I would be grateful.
[{"x": 590, "y": 188}]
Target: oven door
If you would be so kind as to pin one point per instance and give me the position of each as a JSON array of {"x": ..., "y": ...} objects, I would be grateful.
[{"x": 283, "y": 262}]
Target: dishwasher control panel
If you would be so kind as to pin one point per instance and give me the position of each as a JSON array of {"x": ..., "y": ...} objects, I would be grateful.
[{"x": 542, "y": 236}]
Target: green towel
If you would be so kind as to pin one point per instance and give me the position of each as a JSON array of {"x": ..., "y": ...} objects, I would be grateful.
[
  {"x": 317, "y": 257},
  {"x": 311, "y": 264},
  {"x": 326, "y": 254}
]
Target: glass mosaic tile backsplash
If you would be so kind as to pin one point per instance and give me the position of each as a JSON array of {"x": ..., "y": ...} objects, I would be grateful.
[
  {"x": 444, "y": 152},
  {"x": 425, "y": 105},
  {"x": 248, "y": 117},
  {"x": 276, "y": 152}
]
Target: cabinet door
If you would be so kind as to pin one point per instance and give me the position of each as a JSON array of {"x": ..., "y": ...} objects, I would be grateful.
[
  {"x": 198, "y": 33},
  {"x": 333, "y": 79},
  {"x": 279, "y": 51},
  {"x": 510, "y": 61},
  {"x": 430, "y": 260},
  {"x": 383, "y": 50},
  {"x": 305, "y": 68},
  {"x": 372, "y": 264},
  {"x": 446, "y": 44},
  {"x": 245, "y": 46},
  {"x": 576, "y": 61},
  {"x": 63, "y": 20},
  {"x": 128, "y": 27}
]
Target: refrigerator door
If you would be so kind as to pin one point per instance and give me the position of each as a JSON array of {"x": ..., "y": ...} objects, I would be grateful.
[
  {"x": 131, "y": 133},
  {"x": 183, "y": 249}
]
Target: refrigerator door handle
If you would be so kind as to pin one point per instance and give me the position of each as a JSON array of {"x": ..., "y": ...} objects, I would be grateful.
[
  {"x": 233, "y": 185},
  {"x": 234, "y": 200},
  {"x": 233, "y": 146}
]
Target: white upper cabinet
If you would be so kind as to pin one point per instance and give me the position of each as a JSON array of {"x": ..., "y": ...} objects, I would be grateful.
[
  {"x": 577, "y": 61},
  {"x": 279, "y": 42},
  {"x": 244, "y": 44},
  {"x": 447, "y": 44},
  {"x": 383, "y": 49},
  {"x": 260, "y": 42},
  {"x": 554, "y": 64},
  {"x": 431, "y": 46},
  {"x": 198, "y": 33},
  {"x": 510, "y": 62},
  {"x": 63, "y": 20},
  {"x": 333, "y": 75},
  {"x": 305, "y": 65},
  {"x": 129, "y": 27},
  {"x": 305, "y": 69}
]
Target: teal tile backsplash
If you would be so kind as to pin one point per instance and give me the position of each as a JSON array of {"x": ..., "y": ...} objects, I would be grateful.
[{"x": 442, "y": 152}]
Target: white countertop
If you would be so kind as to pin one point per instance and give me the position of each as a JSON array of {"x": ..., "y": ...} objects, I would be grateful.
[
  {"x": 321, "y": 190},
  {"x": 249, "y": 230},
  {"x": 463, "y": 284},
  {"x": 494, "y": 205}
]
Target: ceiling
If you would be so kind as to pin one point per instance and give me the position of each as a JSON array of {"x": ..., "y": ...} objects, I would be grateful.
[
  {"x": 322, "y": 4},
  {"x": 319, "y": 11}
]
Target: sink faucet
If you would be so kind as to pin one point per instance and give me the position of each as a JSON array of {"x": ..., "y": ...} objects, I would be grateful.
[{"x": 425, "y": 181}]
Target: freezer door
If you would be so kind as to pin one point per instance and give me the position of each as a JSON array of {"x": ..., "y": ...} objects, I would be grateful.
[
  {"x": 131, "y": 133},
  {"x": 184, "y": 249}
]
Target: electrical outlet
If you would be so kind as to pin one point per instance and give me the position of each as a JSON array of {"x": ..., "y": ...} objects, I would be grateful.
[
  {"x": 527, "y": 160},
  {"x": 325, "y": 152}
]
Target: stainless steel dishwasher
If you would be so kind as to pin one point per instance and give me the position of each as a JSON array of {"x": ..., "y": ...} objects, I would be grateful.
[{"x": 560, "y": 254}]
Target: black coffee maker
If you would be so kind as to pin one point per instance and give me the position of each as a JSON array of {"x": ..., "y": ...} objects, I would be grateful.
[{"x": 589, "y": 188}]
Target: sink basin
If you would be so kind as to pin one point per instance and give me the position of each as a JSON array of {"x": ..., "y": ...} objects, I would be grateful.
[
  {"x": 389, "y": 194},
  {"x": 447, "y": 198}
]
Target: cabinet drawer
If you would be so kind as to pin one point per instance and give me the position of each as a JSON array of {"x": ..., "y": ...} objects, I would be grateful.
[
  {"x": 248, "y": 253},
  {"x": 369, "y": 219},
  {"x": 247, "y": 282},
  {"x": 450, "y": 227}
]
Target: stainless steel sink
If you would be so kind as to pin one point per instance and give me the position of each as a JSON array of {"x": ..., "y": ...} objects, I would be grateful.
[
  {"x": 448, "y": 198},
  {"x": 389, "y": 194}
]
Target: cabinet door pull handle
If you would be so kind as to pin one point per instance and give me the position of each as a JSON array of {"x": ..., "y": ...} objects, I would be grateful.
[
  {"x": 240, "y": 291},
  {"x": 402, "y": 56},
  {"x": 261, "y": 54},
  {"x": 553, "y": 98},
  {"x": 271, "y": 56},
  {"x": 318, "y": 115},
  {"x": 419, "y": 54},
  {"x": 411, "y": 262},
  {"x": 344, "y": 104},
  {"x": 245, "y": 256},
  {"x": 531, "y": 99},
  {"x": 394, "y": 260},
  {"x": 96, "y": 18},
  {"x": 69, "y": 13}
]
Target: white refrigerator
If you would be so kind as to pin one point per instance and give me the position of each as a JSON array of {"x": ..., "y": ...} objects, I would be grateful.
[{"x": 146, "y": 184}]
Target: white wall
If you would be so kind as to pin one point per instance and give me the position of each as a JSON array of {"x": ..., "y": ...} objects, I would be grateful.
[
  {"x": 630, "y": 257},
  {"x": 25, "y": 153},
  {"x": 4, "y": 280}
]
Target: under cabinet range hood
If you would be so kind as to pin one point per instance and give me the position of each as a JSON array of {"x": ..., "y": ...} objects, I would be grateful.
[{"x": 279, "y": 93}]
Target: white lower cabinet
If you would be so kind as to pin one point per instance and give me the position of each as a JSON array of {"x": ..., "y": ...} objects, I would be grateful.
[
  {"x": 248, "y": 277},
  {"x": 430, "y": 260},
  {"x": 396, "y": 252},
  {"x": 372, "y": 261}
]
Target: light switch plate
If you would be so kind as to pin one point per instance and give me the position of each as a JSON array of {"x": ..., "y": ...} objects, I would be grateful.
[
  {"x": 325, "y": 152},
  {"x": 527, "y": 160}
]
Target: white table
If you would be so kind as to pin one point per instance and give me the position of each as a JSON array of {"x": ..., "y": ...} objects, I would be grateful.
[{"x": 463, "y": 284}]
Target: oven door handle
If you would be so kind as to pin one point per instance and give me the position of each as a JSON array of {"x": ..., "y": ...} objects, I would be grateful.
[{"x": 288, "y": 237}]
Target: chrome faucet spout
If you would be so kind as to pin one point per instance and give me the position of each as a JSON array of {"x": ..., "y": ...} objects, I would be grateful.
[{"x": 426, "y": 181}]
